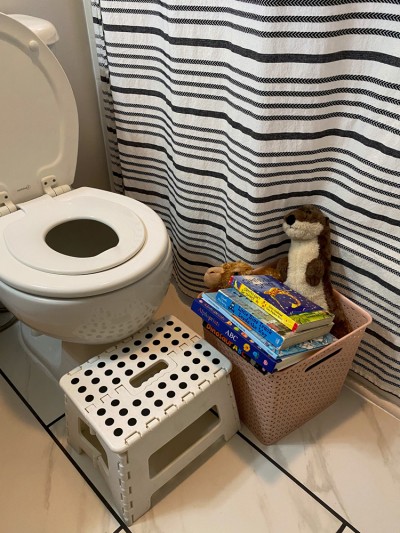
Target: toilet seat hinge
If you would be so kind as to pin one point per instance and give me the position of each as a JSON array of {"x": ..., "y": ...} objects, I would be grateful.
[
  {"x": 51, "y": 187},
  {"x": 6, "y": 205}
]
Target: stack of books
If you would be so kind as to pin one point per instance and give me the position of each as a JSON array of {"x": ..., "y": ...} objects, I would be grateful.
[{"x": 265, "y": 322}]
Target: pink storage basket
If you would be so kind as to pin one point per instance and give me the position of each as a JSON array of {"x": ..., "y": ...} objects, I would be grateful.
[{"x": 273, "y": 405}]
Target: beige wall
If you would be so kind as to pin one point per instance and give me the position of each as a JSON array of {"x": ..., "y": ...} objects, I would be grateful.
[{"x": 73, "y": 52}]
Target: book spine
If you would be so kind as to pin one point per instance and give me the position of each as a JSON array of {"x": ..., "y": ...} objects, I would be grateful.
[
  {"x": 240, "y": 344},
  {"x": 229, "y": 343},
  {"x": 262, "y": 329},
  {"x": 261, "y": 302},
  {"x": 262, "y": 344}
]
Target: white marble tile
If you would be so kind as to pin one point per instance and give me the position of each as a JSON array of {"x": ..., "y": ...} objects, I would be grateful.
[
  {"x": 349, "y": 456},
  {"x": 84, "y": 462},
  {"x": 30, "y": 378},
  {"x": 238, "y": 490},
  {"x": 235, "y": 490},
  {"x": 40, "y": 490}
]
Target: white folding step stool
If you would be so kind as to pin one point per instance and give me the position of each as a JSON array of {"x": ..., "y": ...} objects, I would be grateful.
[{"x": 141, "y": 409}]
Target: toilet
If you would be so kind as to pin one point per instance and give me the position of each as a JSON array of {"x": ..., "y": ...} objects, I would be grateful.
[{"x": 81, "y": 269}]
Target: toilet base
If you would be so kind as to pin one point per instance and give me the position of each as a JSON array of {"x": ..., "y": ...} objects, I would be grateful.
[{"x": 57, "y": 356}]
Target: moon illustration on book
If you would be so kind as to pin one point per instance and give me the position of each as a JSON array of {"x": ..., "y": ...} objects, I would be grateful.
[{"x": 274, "y": 292}]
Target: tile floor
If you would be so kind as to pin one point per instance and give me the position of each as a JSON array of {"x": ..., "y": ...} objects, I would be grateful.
[{"x": 340, "y": 472}]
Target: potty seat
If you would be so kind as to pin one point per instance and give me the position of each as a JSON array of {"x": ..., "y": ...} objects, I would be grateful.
[
  {"x": 38, "y": 153},
  {"x": 28, "y": 241}
]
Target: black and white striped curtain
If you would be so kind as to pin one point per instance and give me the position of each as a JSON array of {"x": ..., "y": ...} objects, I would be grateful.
[{"x": 223, "y": 115}]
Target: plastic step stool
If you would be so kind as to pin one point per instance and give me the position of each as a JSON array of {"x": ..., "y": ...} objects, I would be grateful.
[{"x": 141, "y": 409}]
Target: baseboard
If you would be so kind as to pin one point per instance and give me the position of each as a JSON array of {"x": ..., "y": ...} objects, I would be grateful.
[{"x": 384, "y": 400}]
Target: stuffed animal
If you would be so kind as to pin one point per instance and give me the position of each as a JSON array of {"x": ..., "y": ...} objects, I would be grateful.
[
  {"x": 306, "y": 269},
  {"x": 218, "y": 277}
]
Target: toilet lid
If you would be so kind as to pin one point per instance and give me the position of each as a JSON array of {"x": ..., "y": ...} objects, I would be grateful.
[{"x": 39, "y": 134}]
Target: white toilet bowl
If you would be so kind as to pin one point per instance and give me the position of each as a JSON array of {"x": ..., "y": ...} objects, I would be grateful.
[
  {"x": 95, "y": 299},
  {"x": 85, "y": 266}
]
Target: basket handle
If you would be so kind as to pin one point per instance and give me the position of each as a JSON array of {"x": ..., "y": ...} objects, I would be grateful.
[{"x": 323, "y": 359}]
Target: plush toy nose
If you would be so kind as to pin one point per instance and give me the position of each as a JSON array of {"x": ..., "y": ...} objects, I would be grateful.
[{"x": 290, "y": 219}]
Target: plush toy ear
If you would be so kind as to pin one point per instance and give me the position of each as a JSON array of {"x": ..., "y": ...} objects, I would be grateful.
[{"x": 213, "y": 277}]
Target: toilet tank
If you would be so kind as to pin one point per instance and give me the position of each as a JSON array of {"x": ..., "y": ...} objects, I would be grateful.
[{"x": 44, "y": 29}]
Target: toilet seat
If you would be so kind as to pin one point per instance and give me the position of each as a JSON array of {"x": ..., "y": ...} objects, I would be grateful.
[
  {"x": 41, "y": 282},
  {"x": 25, "y": 238}
]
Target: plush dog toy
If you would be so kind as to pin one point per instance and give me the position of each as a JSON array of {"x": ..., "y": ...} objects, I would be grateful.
[
  {"x": 218, "y": 277},
  {"x": 306, "y": 269}
]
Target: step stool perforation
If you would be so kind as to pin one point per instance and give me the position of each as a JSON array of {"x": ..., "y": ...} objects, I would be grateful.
[
  {"x": 138, "y": 395},
  {"x": 106, "y": 371}
]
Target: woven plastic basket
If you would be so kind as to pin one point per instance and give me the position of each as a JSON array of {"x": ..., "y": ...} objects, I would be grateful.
[{"x": 273, "y": 405}]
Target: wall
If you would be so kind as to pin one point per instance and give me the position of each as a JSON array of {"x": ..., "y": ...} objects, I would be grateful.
[{"x": 73, "y": 52}]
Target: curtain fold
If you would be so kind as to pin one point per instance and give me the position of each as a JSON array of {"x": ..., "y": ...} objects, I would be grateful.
[{"x": 225, "y": 115}]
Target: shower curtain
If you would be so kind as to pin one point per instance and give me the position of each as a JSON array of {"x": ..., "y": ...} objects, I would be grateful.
[{"x": 223, "y": 115}]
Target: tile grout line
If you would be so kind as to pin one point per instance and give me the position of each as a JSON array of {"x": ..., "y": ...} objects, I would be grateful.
[
  {"x": 345, "y": 523},
  {"x": 123, "y": 526},
  {"x": 55, "y": 421}
]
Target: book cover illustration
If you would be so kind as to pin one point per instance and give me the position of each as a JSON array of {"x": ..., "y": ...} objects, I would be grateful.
[
  {"x": 262, "y": 344},
  {"x": 211, "y": 298},
  {"x": 239, "y": 341},
  {"x": 286, "y": 362},
  {"x": 269, "y": 328},
  {"x": 229, "y": 343},
  {"x": 263, "y": 323},
  {"x": 283, "y": 303},
  {"x": 309, "y": 346}
]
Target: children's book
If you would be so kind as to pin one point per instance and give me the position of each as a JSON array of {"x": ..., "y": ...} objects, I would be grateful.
[
  {"x": 211, "y": 298},
  {"x": 259, "y": 321},
  {"x": 285, "y": 363},
  {"x": 239, "y": 341},
  {"x": 288, "y": 306},
  {"x": 312, "y": 346},
  {"x": 229, "y": 343}
]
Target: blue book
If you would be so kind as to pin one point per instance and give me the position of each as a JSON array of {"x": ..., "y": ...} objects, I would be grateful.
[
  {"x": 231, "y": 335},
  {"x": 262, "y": 323},
  {"x": 211, "y": 298},
  {"x": 288, "y": 306},
  {"x": 226, "y": 341},
  {"x": 239, "y": 341}
]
